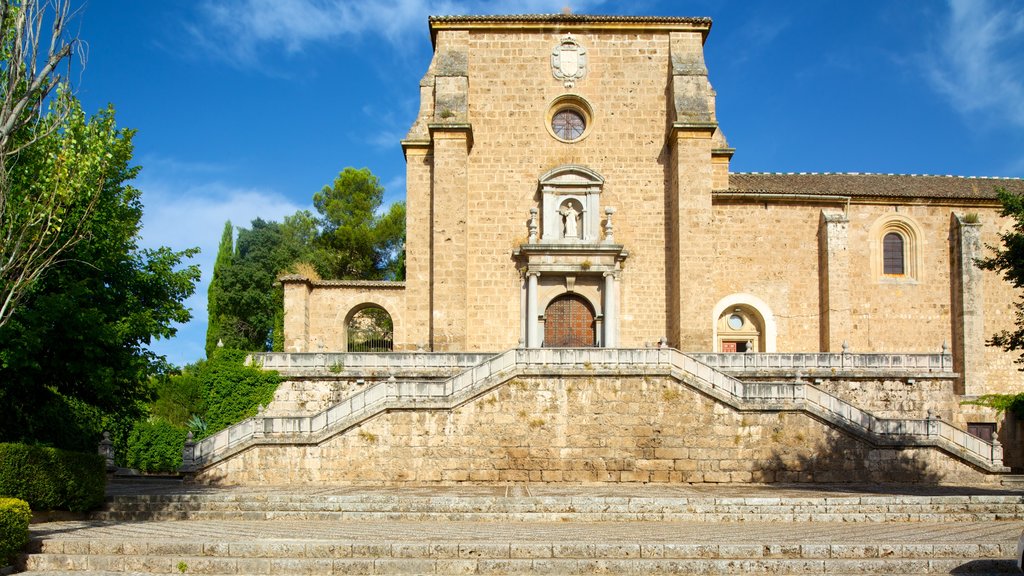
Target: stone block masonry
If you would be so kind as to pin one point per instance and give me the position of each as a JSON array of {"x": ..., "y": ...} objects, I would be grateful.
[{"x": 590, "y": 429}]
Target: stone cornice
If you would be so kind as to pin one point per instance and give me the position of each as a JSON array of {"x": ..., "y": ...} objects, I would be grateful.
[{"x": 565, "y": 22}]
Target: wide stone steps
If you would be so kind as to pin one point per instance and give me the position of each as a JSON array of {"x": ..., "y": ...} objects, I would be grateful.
[
  {"x": 311, "y": 547},
  {"x": 241, "y": 505}
]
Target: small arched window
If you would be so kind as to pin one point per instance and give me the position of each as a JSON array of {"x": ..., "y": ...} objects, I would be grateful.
[
  {"x": 896, "y": 245},
  {"x": 893, "y": 255}
]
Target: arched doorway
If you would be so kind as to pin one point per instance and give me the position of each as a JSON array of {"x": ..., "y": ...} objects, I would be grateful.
[
  {"x": 369, "y": 329},
  {"x": 740, "y": 329},
  {"x": 569, "y": 323}
]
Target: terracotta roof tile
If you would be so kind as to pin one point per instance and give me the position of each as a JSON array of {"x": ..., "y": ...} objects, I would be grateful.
[{"x": 872, "y": 185}]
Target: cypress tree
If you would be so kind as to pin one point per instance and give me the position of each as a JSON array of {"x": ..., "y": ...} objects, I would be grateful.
[{"x": 225, "y": 256}]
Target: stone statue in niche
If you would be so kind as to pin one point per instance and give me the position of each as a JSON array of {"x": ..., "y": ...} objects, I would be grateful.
[{"x": 571, "y": 218}]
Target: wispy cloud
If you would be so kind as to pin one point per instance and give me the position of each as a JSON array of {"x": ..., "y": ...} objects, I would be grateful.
[
  {"x": 978, "y": 63},
  {"x": 182, "y": 216},
  {"x": 238, "y": 30}
]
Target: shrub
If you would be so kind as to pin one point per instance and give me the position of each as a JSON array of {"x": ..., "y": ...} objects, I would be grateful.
[
  {"x": 14, "y": 519},
  {"x": 155, "y": 446},
  {"x": 232, "y": 389},
  {"x": 52, "y": 479}
]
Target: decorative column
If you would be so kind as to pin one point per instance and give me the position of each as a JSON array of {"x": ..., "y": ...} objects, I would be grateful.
[
  {"x": 611, "y": 318},
  {"x": 531, "y": 310}
]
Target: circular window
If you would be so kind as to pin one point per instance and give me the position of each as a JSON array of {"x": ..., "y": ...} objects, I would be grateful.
[
  {"x": 568, "y": 124},
  {"x": 735, "y": 322},
  {"x": 569, "y": 118}
]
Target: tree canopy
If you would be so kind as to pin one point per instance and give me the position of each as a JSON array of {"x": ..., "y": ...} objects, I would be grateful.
[
  {"x": 355, "y": 242},
  {"x": 347, "y": 239},
  {"x": 41, "y": 217},
  {"x": 75, "y": 350}
]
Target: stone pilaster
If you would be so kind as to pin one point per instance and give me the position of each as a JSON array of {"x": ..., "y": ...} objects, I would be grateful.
[
  {"x": 691, "y": 178},
  {"x": 418, "y": 246},
  {"x": 296, "y": 313},
  {"x": 968, "y": 306},
  {"x": 834, "y": 281}
]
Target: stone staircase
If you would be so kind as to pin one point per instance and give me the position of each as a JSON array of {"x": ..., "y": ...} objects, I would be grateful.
[
  {"x": 524, "y": 529},
  {"x": 393, "y": 395}
]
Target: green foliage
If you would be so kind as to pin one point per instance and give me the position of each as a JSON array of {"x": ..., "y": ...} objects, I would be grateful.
[
  {"x": 83, "y": 331},
  {"x": 52, "y": 479},
  {"x": 1013, "y": 403},
  {"x": 155, "y": 446},
  {"x": 233, "y": 390},
  {"x": 15, "y": 516},
  {"x": 1009, "y": 260},
  {"x": 247, "y": 299},
  {"x": 348, "y": 240},
  {"x": 354, "y": 242},
  {"x": 213, "y": 394},
  {"x": 225, "y": 253}
]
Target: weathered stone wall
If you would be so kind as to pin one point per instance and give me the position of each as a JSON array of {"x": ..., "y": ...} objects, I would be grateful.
[
  {"x": 590, "y": 429},
  {"x": 899, "y": 398}
]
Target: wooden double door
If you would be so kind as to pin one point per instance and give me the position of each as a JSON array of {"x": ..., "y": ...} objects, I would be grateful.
[{"x": 569, "y": 322}]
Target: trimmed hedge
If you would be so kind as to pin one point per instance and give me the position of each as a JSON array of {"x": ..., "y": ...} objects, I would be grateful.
[
  {"x": 14, "y": 518},
  {"x": 52, "y": 479},
  {"x": 155, "y": 446}
]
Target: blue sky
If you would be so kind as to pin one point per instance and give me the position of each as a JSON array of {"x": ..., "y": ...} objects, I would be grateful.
[{"x": 245, "y": 108}]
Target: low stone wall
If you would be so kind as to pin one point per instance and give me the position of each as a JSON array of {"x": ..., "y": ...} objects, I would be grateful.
[{"x": 587, "y": 429}]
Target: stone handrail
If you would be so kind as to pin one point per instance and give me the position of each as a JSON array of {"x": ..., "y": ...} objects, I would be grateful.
[
  {"x": 733, "y": 362},
  {"x": 293, "y": 362},
  {"x": 393, "y": 394}
]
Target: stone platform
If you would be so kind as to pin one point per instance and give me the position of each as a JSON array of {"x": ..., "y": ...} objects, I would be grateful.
[{"x": 538, "y": 529}]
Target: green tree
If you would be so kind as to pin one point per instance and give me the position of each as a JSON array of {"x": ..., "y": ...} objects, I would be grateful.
[
  {"x": 355, "y": 243},
  {"x": 1008, "y": 259},
  {"x": 248, "y": 300},
  {"x": 74, "y": 353},
  {"x": 225, "y": 253},
  {"x": 39, "y": 223}
]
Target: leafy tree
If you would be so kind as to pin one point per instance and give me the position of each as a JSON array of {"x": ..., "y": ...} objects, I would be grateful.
[
  {"x": 355, "y": 243},
  {"x": 77, "y": 344},
  {"x": 38, "y": 223},
  {"x": 248, "y": 300},
  {"x": 214, "y": 293}
]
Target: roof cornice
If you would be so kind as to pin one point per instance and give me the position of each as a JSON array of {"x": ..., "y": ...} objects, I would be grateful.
[{"x": 566, "y": 21}]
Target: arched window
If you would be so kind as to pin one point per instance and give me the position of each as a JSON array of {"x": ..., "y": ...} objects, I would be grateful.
[
  {"x": 892, "y": 254},
  {"x": 369, "y": 329},
  {"x": 896, "y": 245}
]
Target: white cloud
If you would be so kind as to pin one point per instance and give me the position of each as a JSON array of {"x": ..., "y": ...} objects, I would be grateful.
[
  {"x": 237, "y": 30},
  {"x": 182, "y": 216},
  {"x": 978, "y": 64}
]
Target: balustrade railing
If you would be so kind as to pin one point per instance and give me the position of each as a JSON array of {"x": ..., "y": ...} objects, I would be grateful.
[{"x": 691, "y": 368}]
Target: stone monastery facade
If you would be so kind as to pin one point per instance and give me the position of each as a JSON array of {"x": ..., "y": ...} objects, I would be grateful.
[{"x": 569, "y": 187}]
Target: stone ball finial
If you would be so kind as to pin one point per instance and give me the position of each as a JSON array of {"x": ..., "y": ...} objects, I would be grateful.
[{"x": 846, "y": 347}]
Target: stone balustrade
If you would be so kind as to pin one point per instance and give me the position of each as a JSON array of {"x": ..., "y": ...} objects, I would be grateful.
[{"x": 690, "y": 370}]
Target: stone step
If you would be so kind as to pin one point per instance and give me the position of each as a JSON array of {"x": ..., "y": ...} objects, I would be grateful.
[
  {"x": 232, "y": 506},
  {"x": 225, "y": 566},
  {"x": 493, "y": 548}
]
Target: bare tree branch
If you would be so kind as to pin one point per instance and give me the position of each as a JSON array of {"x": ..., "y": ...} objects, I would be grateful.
[{"x": 36, "y": 227}]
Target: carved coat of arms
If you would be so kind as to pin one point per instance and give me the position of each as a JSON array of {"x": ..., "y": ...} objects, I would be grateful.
[{"x": 569, "y": 61}]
